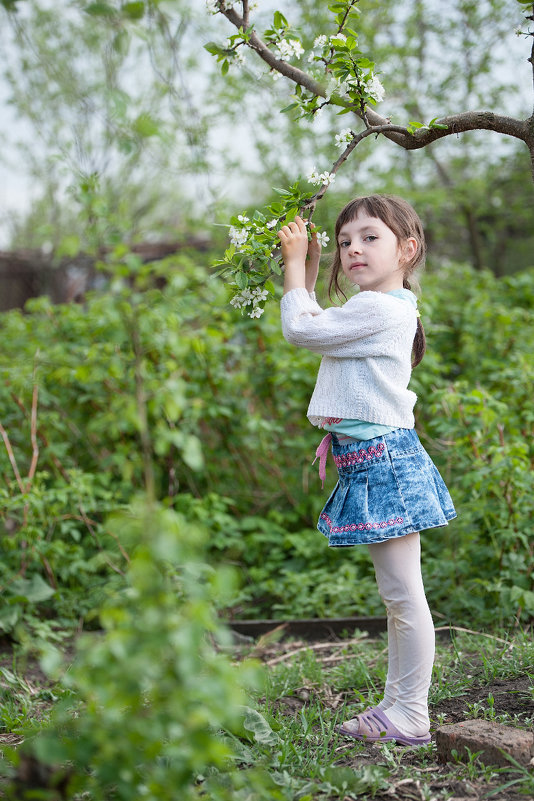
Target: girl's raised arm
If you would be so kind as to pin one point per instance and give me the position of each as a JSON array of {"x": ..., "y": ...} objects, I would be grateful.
[{"x": 301, "y": 258}]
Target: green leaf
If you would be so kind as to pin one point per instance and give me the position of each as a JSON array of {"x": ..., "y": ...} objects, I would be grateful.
[
  {"x": 145, "y": 125},
  {"x": 100, "y": 10},
  {"x": 241, "y": 280},
  {"x": 225, "y": 67},
  {"x": 438, "y": 125},
  {"x": 192, "y": 452},
  {"x": 288, "y": 108},
  {"x": 31, "y": 590},
  {"x": 214, "y": 49},
  {"x": 256, "y": 723},
  {"x": 280, "y": 21},
  {"x": 134, "y": 10}
]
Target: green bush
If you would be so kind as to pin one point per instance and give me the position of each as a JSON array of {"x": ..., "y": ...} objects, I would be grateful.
[
  {"x": 146, "y": 698},
  {"x": 173, "y": 388}
]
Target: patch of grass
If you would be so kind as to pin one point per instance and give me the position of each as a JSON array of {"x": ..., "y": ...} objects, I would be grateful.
[
  {"x": 308, "y": 695},
  {"x": 21, "y": 702},
  {"x": 289, "y": 748}
]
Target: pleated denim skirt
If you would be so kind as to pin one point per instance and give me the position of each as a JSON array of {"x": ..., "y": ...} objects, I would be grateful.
[{"x": 388, "y": 487}]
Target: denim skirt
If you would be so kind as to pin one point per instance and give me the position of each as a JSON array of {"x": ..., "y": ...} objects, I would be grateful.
[{"x": 388, "y": 487}]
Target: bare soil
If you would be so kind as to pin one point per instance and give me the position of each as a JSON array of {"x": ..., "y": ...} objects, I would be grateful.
[{"x": 512, "y": 697}]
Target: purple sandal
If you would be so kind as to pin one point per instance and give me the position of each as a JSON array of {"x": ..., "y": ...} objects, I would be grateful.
[{"x": 381, "y": 730}]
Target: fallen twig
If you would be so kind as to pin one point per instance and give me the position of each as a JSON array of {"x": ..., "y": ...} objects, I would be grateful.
[
  {"x": 470, "y": 631},
  {"x": 315, "y": 647}
]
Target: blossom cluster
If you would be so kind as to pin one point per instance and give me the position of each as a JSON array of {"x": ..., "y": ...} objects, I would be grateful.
[
  {"x": 321, "y": 179},
  {"x": 237, "y": 53},
  {"x": 239, "y": 236},
  {"x": 288, "y": 48},
  {"x": 251, "y": 297},
  {"x": 374, "y": 88},
  {"x": 323, "y": 41},
  {"x": 344, "y": 137},
  {"x": 370, "y": 84},
  {"x": 214, "y": 6}
]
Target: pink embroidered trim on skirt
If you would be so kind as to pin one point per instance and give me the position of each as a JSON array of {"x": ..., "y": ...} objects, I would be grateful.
[{"x": 357, "y": 457}]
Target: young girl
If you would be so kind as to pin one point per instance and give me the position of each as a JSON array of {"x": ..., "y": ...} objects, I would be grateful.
[{"x": 388, "y": 488}]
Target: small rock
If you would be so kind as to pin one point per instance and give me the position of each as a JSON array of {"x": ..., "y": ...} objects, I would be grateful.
[{"x": 488, "y": 737}]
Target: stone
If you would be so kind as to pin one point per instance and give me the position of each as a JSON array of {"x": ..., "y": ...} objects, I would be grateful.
[{"x": 488, "y": 737}]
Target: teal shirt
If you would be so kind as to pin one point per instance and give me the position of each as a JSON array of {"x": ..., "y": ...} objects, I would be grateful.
[{"x": 360, "y": 429}]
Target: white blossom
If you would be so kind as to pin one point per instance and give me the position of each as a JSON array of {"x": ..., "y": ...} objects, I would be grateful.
[
  {"x": 245, "y": 298},
  {"x": 320, "y": 41},
  {"x": 339, "y": 36},
  {"x": 238, "y": 236},
  {"x": 375, "y": 89},
  {"x": 323, "y": 238},
  {"x": 212, "y": 6},
  {"x": 344, "y": 137},
  {"x": 260, "y": 295},
  {"x": 334, "y": 85},
  {"x": 313, "y": 176},
  {"x": 288, "y": 48},
  {"x": 257, "y": 311},
  {"x": 272, "y": 223},
  {"x": 324, "y": 178},
  {"x": 242, "y": 218},
  {"x": 327, "y": 178}
]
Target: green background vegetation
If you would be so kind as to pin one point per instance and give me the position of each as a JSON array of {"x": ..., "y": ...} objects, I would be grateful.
[
  {"x": 155, "y": 455},
  {"x": 173, "y": 387}
]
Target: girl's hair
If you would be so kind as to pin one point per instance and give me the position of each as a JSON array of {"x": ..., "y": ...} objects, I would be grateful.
[{"x": 400, "y": 218}]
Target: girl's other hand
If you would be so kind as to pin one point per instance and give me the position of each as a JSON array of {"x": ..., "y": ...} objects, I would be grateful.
[
  {"x": 312, "y": 262},
  {"x": 294, "y": 240}
]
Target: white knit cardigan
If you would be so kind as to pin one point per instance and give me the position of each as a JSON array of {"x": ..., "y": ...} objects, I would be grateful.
[{"x": 366, "y": 346}]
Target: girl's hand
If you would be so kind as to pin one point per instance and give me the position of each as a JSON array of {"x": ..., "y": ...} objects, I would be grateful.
[
  {"x": 294, "y": 240},
  {"x": 301, "y": 258},
  {"x": 312, "y": 262}
]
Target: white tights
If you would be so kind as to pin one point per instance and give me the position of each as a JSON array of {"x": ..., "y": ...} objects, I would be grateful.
[{"x": 411, "y": 644}]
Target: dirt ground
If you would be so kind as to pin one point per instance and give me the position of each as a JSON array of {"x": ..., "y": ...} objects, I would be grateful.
[{"x": 511, "y": 696}]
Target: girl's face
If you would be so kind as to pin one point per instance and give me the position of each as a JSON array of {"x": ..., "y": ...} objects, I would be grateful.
[{"x": 371, "y": 255}]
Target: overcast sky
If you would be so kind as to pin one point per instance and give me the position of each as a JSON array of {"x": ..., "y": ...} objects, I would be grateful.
[{"x": 16, "y": 191}]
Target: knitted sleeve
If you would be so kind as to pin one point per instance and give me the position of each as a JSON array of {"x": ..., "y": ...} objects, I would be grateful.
[{"x": 367, "y": 323}]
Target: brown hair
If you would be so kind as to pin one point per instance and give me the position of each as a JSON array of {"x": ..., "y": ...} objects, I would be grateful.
[{"x": 403, "y": 220}]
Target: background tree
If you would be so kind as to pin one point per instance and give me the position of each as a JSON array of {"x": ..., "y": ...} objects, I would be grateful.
[{"x": 341, "y": 75}]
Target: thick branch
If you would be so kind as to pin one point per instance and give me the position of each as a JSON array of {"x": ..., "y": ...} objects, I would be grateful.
[
  {"x": 456, "y": 123},
  {"x": 291, "y": 72}
]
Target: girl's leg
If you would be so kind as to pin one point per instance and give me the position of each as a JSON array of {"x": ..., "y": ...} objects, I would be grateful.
[
  {"x": 391, "y": 689},
  {"x": 411, "y": 641}
]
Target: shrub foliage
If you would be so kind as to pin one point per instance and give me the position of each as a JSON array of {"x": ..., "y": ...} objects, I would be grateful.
[{"x": 160, "y": 383}]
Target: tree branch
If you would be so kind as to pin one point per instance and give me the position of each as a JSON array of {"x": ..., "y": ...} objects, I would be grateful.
[{"x": 456, "y": 123}]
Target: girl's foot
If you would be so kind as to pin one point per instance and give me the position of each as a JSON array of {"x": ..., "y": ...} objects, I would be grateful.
[{"x": 373, "y": 726}]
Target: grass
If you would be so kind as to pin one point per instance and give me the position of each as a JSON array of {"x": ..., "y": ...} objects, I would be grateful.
[
  {"x": 307, "y": 696},
  {"x": 289, "y": 747}
]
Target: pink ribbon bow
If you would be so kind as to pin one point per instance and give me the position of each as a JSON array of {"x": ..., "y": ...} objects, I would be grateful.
[{"x": 322, "y": 454}]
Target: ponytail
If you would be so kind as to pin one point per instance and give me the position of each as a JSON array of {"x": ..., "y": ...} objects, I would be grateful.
[{"x": 419, "y": 342}]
